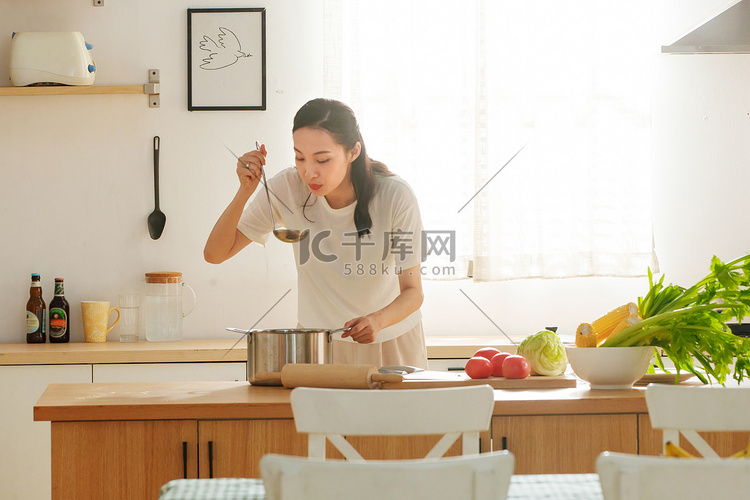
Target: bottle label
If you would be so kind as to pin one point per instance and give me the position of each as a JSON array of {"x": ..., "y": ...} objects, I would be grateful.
[
  {"x": 32, "y": 322},
  {"x": 59, "y": 288},
  {"x": 58, "y": 322}
]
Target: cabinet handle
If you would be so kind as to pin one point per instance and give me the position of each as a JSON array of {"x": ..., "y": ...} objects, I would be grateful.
[
  {"x": 210, "y": 459},
  {"x": 184, "y": 459},
  {"x": 505, "y": 443}
]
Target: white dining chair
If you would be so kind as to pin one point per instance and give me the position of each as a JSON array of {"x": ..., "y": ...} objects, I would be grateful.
[
  {"x": 477, "y": 477},
  {"x": 686, "y": 410},
  {"x": 332, "y": 414},
  {"x": 641, "y": 477}
]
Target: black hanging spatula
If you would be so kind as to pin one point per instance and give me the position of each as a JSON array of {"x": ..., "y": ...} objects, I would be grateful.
[{"x": 156, "y": 219}]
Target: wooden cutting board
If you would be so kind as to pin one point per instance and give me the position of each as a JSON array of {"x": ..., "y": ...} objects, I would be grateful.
[{"x": 433, "y": 379}]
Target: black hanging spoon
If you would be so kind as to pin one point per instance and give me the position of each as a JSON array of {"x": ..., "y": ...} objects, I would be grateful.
[{"x": 156, "y": 219}]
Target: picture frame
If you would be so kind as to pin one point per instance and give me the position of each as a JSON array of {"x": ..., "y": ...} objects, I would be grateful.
[{"x": 226, "y": 50}]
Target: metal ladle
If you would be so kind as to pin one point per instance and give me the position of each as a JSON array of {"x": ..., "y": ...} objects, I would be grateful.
[{"x": 284, "y": 234}]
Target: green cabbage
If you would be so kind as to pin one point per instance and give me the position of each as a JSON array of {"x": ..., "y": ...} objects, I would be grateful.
[{"x": 545, "y": 353}]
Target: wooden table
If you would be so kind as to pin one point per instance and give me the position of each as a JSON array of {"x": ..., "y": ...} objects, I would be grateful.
[
  {"x": 142, "y": 435},
  {"x": 228, "y": 400}
]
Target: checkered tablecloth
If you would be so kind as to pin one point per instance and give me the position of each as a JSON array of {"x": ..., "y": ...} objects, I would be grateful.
[
  {"x": 225, "y": 488},
  {"x": 522, "y": 487},
  {"x": 555, "y": 487}
]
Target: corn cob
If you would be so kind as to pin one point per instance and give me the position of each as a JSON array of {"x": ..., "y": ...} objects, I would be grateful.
[
  {"x": 585, "y": 336},
  {"x": 625, "y": 323},
  {"x": 672, "y": 450},
  {"x": 606, "y": 323}
]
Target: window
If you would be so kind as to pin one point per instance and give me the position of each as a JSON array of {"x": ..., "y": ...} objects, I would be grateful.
[{"x": 523, "y": 126}]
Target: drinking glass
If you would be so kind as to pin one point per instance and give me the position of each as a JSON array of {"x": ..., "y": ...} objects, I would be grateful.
[{"x": 129, "y": 320}]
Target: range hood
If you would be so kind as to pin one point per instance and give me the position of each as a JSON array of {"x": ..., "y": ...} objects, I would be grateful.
[{"x": 727, "y": 33}]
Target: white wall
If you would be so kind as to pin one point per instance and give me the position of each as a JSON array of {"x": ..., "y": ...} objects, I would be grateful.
[{"x": 77, "y": 181}]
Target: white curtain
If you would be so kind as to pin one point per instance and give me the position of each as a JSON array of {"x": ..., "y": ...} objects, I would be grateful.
[{"x": 523, "y": 127}]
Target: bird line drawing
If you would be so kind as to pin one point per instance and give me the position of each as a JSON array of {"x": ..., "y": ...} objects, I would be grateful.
[{"x": 226, "y": 52}]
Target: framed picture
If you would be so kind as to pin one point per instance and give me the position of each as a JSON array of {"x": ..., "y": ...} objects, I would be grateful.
[{"x": 226, "y": 59}]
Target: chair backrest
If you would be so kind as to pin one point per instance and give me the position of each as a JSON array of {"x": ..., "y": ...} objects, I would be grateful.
[
  {"x": 641, "y": 477},
  {"x": 688, "y": 409},
  {"x": 478, "y": 477},
  {"x": 334, "y": 413}
]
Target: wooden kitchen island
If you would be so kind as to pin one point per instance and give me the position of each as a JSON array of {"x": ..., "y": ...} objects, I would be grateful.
[
  {"x": 124, "y": 440},
  {"x": 27, "y": 369}
]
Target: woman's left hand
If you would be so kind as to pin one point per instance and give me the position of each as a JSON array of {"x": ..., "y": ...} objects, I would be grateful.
[{"x": 362, "y": 329}]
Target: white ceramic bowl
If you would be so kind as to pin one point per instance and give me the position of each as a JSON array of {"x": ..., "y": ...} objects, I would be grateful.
[{"x": 610, "y": 367}]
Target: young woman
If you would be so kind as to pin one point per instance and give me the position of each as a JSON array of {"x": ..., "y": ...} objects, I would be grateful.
[{"x": 359, "y": 267}]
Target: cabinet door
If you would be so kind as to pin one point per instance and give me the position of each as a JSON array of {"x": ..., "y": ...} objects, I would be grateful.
[
  {"x": 563, "y": 444},
  {"x": 121, "y": 459},
  {"x": 24, "y": 444},
  {"x": 724, "y": 443},
  {"x": 170, "y": 372},
  {"x": 232, "y": 448}
]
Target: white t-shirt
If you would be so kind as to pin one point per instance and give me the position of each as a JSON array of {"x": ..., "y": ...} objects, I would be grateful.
[{"x": 339, "y": 276}]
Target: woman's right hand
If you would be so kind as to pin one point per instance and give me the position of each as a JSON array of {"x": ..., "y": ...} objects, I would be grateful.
[{"x": 249, "y": 168}]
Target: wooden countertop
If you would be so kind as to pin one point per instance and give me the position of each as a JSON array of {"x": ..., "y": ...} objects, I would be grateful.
[
  {"x": 183, "y": 351},
  {"x": 187, "y": 351},
  {"x": 161, "y": 401},
  {"x": 240, "y": 400}
]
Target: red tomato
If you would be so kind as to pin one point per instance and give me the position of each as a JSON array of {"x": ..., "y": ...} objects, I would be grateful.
[
  {"x": 478, "y": 367},
  {"x": 497, "y": 363},
  {"x": 516, "y": 366},
  {"x": 486, "y": 352}
]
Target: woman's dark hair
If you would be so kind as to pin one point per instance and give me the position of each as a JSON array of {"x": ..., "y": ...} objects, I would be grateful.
[{"x": 338, "y": 119}]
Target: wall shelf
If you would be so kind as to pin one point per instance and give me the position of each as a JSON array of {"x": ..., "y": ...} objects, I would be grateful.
[
  {"x": 72, "y": 90},
  {"x": 151, "y": 89}
]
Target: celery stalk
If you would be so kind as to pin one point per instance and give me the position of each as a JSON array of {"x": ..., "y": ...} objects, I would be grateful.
[{"x": 690, "y": 324}]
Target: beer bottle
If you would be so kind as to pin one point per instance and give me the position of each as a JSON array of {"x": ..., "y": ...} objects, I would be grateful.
[
  {"x": 59, "y": 315},
  {"x": 36, "y": 313}
]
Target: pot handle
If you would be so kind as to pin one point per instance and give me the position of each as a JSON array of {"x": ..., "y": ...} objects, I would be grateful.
[
  {"x": 192, "y": 292},
  {"x": 329, "y": 347}
]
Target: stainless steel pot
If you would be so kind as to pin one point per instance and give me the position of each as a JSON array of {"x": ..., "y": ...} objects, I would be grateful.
[{"x": 269, "y": 350}]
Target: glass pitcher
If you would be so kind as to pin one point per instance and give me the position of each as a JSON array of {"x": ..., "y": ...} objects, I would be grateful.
[{"x": 164, "y": 306}]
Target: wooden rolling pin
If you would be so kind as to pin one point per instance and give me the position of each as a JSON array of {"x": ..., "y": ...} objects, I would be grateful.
[{"x": 328, "y": 376}]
